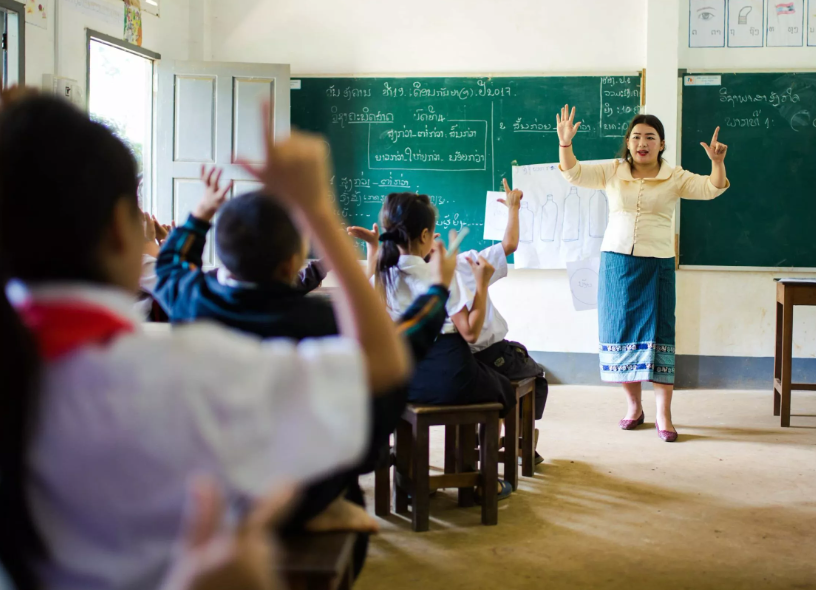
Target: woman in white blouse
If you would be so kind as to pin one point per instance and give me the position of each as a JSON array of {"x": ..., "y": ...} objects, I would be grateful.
[{"x": 636, "y": 294}]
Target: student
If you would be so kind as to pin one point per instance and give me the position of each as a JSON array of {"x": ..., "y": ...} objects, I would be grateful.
[
  {"x": 510, "y": 359},
  {"x": 449, "y": 374},
  {"x": 256, "y": 291},
  {"x": 636, "y": 293},
  {"x": 100, "y": 425}
]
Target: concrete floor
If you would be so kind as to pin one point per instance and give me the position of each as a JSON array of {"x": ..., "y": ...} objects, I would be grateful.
[{"x": 731, "y": 505}]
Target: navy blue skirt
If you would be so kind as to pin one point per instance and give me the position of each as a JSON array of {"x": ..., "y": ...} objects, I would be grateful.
[{"x": 636, "y": 300}]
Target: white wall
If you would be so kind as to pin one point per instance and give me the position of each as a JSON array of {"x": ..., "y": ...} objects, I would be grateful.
[
  {"x": 168, "y": 35},
  {"x": 719, "y": 313}
]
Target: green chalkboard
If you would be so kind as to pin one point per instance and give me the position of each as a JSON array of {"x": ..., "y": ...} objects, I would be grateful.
[
  {"x": 453, "y": 139},
  {"x": 768, "y": 216}
]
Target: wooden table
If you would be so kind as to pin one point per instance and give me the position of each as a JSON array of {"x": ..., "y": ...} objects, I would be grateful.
[{"x": 788, "y": 294}]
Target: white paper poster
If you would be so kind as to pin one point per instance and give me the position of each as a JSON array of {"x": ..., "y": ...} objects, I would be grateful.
[
  {"x": 746, "y": 20},
  {"x": 706, "y": 23},
  {"x": 36, "y": 13},
  {"x": 495, "y": 216},
  {"x": 111, "y": 12},
  {"x": 583, "y": 278},
  {"x": 812, "y": 23},
  {"x": 786, "y": 23},
  {"x": 559, "y": 223}
]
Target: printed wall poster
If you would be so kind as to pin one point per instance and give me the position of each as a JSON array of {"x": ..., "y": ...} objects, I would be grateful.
[{"x": 133, "y": 22}]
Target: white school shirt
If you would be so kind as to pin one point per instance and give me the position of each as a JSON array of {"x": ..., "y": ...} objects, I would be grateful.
[
  {"x": 123, "y": 427},
  {"x": 413, "y": 277},
  {"x": 495, "y": 327},
  {"x": 641, "y": 209}
]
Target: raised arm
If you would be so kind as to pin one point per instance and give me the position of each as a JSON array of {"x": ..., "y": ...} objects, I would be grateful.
[
  {"x": 372, "y": 241},
  {"x": 567, "y": 130},
  {"x": 513, "y": 203},
  {"x": 716, "y": 152},
  {"x": 296, "y": 172},
  {"x": 469, "y": 322}
]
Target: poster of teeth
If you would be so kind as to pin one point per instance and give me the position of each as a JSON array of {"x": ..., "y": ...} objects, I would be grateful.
[
  {"x": 558, "y": 222},
  {"x": 786, "y": 23},
  {"x": 706, "y": 23},
  {"x": 746, "y": 20}
]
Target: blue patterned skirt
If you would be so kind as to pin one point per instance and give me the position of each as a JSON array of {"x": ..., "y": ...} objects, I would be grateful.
[{"x": 636, "y": 299}]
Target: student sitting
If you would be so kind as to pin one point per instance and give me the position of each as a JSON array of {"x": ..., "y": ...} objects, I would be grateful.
[
  {"x": 255, "y": 291},
  {"x": 510, "y": 359},
  {"x": 449, "y": 374},
  {"x": 101, "y": 425}
]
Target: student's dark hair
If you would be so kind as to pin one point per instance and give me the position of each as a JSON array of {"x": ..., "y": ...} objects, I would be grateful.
[
  {"x": 649, "y": 120},
  {"x": 403, "y": 217},
  {"x": 253, "y": 236},
  {"x": 61, "y": 176}
]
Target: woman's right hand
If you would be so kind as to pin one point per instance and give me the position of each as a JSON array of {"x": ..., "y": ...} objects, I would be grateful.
[
  {"x": 482, "y": 270},
  {"x": 567, "y": 128}
]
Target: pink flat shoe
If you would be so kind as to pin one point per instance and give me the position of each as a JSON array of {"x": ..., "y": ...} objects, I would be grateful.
[
  {"x": 666, "y": 435},
  {"x": 632, "y": 424}
]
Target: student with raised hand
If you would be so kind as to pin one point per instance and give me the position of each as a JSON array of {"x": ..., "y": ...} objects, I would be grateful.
[
  {"x": 449, "y": 374},
  {"x": 101, "y": 424},
  {"x": 636, "y": 293}
]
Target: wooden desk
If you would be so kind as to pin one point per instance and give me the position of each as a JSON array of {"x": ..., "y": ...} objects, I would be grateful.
[
  {"x": 318, "y": 561},
  {"x": 788, "y": 294}
]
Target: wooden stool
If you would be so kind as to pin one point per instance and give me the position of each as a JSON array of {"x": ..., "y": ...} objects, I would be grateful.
[
  {"x": 411, "y": 473},
  {"x": 318, "y": 561},
  {"x": 788, "y": 294},
  {"x": 513, "y": 430}
]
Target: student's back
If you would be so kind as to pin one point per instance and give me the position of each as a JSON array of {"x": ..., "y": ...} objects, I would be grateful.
[{"x": 101, "y": 426}]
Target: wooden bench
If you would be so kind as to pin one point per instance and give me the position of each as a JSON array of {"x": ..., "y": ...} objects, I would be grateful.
[
  {"x": 319, "y": 561},
  {"x": 412, "y": 461},
  {"x": 788, "y": 294}
]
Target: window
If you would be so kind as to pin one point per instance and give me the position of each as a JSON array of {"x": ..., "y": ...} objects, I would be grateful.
[
  {"x": 120, "y": 95},
  {"x": 13, "y": 43}
]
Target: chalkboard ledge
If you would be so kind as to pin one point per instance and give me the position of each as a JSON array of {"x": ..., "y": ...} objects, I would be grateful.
[{"x": 777, "y": 269}]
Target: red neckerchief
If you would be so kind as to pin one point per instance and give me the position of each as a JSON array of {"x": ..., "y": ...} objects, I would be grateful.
[{"x": 61, "y": 327}]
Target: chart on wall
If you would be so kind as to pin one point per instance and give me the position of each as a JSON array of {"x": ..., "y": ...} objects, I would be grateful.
[
  {"x": 752, "y": 23},
  {"x": 558, "y": 223}
]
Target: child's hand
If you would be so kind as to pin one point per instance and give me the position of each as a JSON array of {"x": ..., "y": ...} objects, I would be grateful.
[
  {"x": 370, "y": 237},
  {"x": 211, "y": 559},
  {"x": 162, "y": 230},
  {"x": 482, "y": 270},
  {"x": 442, "y": 263},
  {"x": 513, "y": 197},
  {"x": 214, "y": 195},
  {"x": 149, "y": 227},
  {"x": 296, "y": 171}
]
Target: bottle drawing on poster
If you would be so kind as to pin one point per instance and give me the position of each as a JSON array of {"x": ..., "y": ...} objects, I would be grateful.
[
  {"x": 598, "y": 214},
  {"x": 526, "y": 217},
  {"x": 706, "y": 23},
  {"x": 746, "y": 23},
  {"x": 559, "y": 223},
  {"x": 549, "y": 220},
  {"x": 786, "y": 23},
  {"x": 584, "y": 276}
]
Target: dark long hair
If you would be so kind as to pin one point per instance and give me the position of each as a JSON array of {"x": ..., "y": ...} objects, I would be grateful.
[
  {"x": 649, "y": 120},
  {"x": 61, "y": 176},
  {"x": 403, "y": 217}
]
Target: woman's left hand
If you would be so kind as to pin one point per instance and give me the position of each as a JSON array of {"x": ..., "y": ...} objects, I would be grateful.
[{"x": 716, "y": 151}]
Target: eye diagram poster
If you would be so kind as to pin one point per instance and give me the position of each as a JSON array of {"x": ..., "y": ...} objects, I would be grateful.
[
  {"x": 707, "y": 23},
  {"x": 746, "y": 23},
  {"x": 559, "y": 223},
  {"x": 786, "y": 23}
]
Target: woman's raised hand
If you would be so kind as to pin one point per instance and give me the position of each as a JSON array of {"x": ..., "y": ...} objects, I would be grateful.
[{"x": 567, "y": 127}]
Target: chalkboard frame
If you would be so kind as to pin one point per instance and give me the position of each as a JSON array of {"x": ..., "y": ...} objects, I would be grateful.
[{"x": 679, "y": 143}]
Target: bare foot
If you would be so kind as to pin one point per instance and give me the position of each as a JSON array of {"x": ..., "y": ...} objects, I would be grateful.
[
  {"x": 633, "y": 412},
  {"x": 665, "y": 423},
  {"x": 342, "y": 515}
]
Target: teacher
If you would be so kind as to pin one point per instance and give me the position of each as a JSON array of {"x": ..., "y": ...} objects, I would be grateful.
[{"x": 636, "y": 293}]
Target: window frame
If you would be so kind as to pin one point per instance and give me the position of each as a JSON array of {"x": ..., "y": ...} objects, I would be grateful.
[
  {"x": 16, "y": 7},
  {"x": 91, "y": 36}
]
